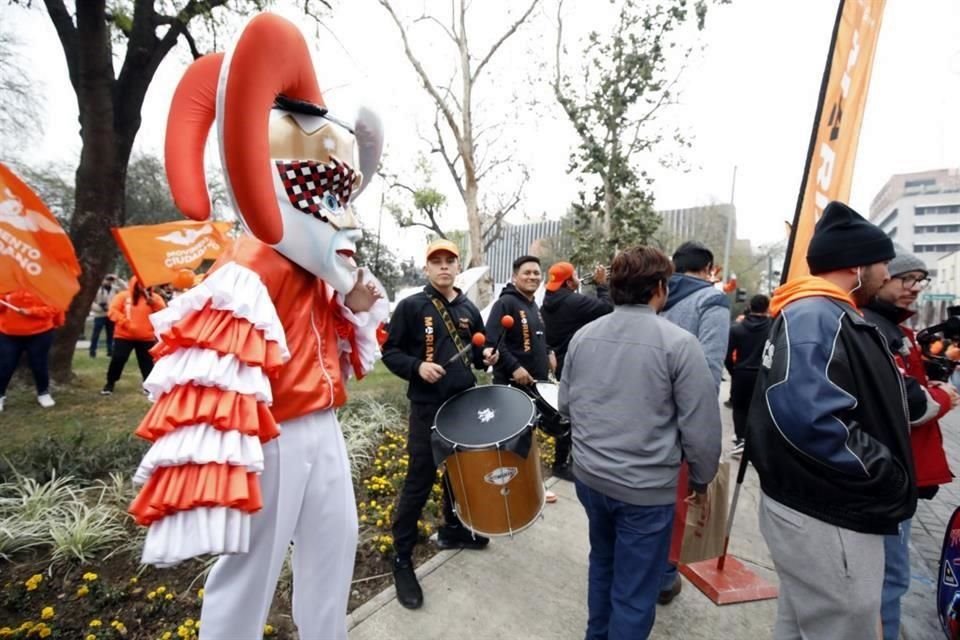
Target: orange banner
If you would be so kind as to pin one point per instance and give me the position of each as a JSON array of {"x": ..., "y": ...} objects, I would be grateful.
[
  {"x": 156, "y": 252},
  {"x": 35, "y": 253},
  {"x": 828, "y": 173}
]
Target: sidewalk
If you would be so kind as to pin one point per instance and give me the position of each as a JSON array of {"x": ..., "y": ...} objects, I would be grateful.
[{"x": 534, "y": 586}]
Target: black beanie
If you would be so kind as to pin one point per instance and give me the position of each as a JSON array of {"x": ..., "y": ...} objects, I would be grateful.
[{"x": 843, "y": 238}]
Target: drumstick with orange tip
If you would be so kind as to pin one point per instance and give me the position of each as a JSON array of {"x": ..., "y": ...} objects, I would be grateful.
[
  {"x": 477, "y": 340},
  {"x": 507, "y": 323}
]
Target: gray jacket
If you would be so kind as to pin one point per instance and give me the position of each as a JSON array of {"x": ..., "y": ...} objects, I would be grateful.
[
  {"x": 638, "y": 394},
  {"x": 695, "y": 305}
]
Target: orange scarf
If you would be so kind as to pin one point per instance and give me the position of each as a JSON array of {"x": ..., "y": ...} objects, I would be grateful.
[{"x": 807, "y": 287}]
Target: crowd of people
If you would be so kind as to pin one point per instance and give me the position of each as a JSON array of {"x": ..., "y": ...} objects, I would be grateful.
[
  {"x": 830, "y": 402},
  {"x": 829, "y": 395},
  {"x": 120, "y": 312}
]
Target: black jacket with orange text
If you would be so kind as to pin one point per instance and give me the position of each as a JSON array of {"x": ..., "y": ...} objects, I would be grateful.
[{"x": 417, "y": 334}]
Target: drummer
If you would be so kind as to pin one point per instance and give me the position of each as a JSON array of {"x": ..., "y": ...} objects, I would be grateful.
[
  {"x": 426, "y": 332},
  {"x": 525, "y": 357}
]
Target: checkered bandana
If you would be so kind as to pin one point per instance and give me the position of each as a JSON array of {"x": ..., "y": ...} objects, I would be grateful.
[{"x": 316, "y": 188}]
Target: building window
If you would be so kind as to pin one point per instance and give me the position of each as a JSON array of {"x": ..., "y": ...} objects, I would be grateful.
[
  {"x": 937, "y": 228},
  {"x": 936, "y": 210},
  {"x": 910, "y": 184}
]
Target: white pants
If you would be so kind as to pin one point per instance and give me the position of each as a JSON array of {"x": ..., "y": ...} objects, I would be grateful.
[{"x": 307, "y": 499}]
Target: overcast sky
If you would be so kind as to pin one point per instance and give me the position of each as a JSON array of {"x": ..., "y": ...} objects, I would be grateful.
[{"x": 747, "y": 99}]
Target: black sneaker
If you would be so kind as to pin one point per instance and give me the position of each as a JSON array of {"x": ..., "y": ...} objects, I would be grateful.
[
  {"x": 564, "y": 472},
  {"x": 454, "y": 537},
  {"x": 666, "y": 597},
  {"x": 107, "y": 390},
  {"x": 409, "y": 593}
]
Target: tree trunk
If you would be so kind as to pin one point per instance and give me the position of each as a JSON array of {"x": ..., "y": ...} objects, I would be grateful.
[
  {"x": 100, "y": 179},
  {"x": 99, "y": 206},
  {"x": 608, "y": 205}
]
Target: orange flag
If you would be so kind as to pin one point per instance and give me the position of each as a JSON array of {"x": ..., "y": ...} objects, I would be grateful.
[
  {"x": 35, "y": 253},
  {"x": 156, "y": 252},
  {"x": 836, "y": 130}
]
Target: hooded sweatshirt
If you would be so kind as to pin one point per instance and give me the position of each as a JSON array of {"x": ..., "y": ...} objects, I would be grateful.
[
  {"x": 133, "y": 320},
  {"x": 745, "y": 348},
  {"x": 417, "y": 334},
  {"x": 695, "y": 305},
  {"x": 524, "y": 345},
  {"x": 39, "y": 317}
]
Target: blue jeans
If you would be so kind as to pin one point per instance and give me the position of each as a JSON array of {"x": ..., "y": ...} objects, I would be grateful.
[
  {"x": 628, "y": 548},
  {"x": 896, "y": 579},
  {"x": 37, "y": 347},
  {"x": 99, "y": 324}
]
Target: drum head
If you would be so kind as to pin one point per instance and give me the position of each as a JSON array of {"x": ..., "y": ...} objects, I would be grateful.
[
  {"x": 485, "y": 416},
  {"x": 550, "y": 393}
]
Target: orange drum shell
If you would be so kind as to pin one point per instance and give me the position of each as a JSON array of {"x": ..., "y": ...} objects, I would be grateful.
[{"x": 479, "y": 503}]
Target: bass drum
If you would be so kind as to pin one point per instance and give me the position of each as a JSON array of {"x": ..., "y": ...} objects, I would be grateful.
[{"x": 493, "y": 463}]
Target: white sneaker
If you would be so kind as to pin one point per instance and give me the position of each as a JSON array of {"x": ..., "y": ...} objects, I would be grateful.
[
  {"x": 45, "y": 401},
  {"x": 2, "y": 398}
]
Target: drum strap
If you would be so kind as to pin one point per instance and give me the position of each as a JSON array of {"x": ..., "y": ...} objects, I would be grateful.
[{"x": 452, "y": 330}]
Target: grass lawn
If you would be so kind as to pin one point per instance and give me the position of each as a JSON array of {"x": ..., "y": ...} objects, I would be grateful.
[{"x": 81, "y": 413}]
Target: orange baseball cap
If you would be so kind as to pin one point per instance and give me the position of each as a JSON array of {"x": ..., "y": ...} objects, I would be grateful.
[
  {"x": 442, "y": 245},
  {"x": 559, "y": 273}
]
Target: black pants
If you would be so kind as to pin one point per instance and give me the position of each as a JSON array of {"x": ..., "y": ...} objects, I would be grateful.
[
  {"x": 37, "y": 347},
  {"x": 741, "y": 392},
  {"x": 121, "y": 353},
  {"x": 421, "y": 474}
]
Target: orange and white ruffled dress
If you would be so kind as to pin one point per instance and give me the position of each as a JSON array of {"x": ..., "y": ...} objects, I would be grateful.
[{"x": 237, "y": 355}]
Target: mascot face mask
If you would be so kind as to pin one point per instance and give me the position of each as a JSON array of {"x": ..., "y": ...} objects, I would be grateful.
[
  {"x": 313, "y": 177},
  {"x": 291, "y": 169}
]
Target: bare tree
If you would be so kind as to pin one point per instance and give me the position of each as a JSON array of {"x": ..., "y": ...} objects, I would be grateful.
[
  {"x": 110, "y": 104},
  {"x": 456, "y": 137},
  {"x": 19, "y": 103}
]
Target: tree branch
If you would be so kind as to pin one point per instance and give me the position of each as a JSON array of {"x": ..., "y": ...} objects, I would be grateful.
[
  {"x": 495, "y": 227},
  {"x": 451, "y": 163},
  {"x": 182, "y": 30},
  {"x": 427, "y": 83},
  {"x": 426, "y": 18},
  {"x": 67, "y": 32},
  {"x": 496, "y": 45}
]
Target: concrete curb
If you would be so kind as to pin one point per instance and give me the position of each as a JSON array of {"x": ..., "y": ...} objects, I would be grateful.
[{"x": 389, "y": 594}]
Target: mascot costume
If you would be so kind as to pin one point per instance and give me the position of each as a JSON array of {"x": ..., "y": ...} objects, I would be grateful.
[{"x": 247, "y": 453}]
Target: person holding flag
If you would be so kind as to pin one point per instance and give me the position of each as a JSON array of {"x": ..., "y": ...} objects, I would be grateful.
[
  {"x": 130, "y": 312},
  {"x": 27, "y": 325}
]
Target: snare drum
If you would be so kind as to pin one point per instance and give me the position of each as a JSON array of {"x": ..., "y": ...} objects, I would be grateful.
[
  {"x": 547, "y": 397},
  {"x": 494, "y": 464}
]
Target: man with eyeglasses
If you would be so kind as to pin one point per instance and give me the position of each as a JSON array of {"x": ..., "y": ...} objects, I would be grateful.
[{"x": 927, "y": 401}]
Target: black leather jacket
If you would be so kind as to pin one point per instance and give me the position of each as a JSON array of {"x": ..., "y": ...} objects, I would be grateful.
[{"x": 828, "y": 430}]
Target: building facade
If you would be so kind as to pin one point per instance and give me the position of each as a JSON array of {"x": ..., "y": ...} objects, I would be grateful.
[{"x": 921, "y": 211}]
